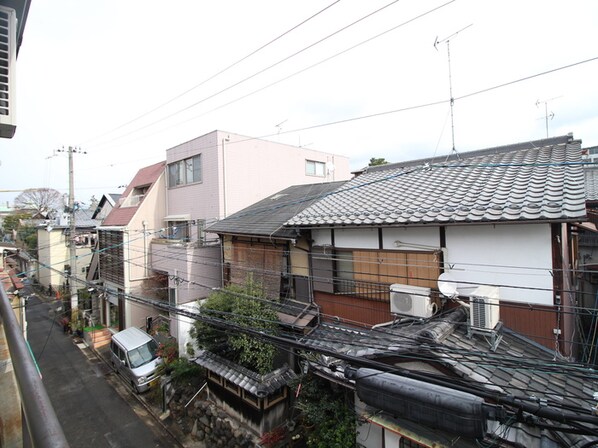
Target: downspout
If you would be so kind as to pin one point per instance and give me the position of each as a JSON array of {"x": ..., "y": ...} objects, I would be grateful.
[
  {"x": 145, "y": 254},
  {"x": 567, "y": 297}
]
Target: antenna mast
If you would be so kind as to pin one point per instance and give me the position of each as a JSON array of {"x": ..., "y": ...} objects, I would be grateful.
[
  {"x": 448, "y": 50},
  {"x": 546, "y": 114}
]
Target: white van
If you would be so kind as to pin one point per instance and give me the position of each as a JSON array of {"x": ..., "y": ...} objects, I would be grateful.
[{"x": 133, "y": 354}]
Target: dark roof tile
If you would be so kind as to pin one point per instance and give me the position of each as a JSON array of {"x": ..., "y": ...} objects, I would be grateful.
[{"x": 521, "y": 182}]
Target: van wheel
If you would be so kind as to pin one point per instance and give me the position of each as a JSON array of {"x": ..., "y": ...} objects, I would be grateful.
[
  {"x": 114, "y": 367},
  {"x": 134, "y": 387}
]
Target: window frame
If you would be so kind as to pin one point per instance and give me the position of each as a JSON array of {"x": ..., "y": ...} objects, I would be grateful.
[
  {"x": 311, "y": 168},
  {"x": 185, "y": 171}
]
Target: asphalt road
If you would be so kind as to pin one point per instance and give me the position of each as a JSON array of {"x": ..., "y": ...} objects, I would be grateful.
[{"x": 92, "y": 407}]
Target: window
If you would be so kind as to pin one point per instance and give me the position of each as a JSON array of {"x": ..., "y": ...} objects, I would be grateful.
[
  {"x": 172, "y": 296},
  {"x": 368, "y": 273},
  {"x": 143, "y": 354},
  {"x": 344, "y": 272},
  {"x": 185, "y": 171},
  {"x": 313, "y": 168},
  {"x": 111, "y": 256},
  {"x": 178, "y": 230}
]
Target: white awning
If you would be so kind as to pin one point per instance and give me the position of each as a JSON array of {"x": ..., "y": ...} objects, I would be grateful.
[{"x": 177, "y": 218}]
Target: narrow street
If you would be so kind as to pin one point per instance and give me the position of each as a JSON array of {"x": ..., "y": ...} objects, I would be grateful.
[{"x": 91, "y": 411}]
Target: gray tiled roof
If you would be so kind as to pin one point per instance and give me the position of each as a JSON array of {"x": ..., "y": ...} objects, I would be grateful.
[
  {"x": 266, "y": 217},
  {"x": 510, "y": 183},
  {"x": 519, "y": 367},
  {"x": 246, "y": 379},
  {"x": 83, "y": 219},
  {"x": 591, "y": 176}
]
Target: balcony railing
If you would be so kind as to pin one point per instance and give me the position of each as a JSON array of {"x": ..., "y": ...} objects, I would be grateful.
[
  {"x": 361, "y": 289},
  {"x": 43, "y": 426}
]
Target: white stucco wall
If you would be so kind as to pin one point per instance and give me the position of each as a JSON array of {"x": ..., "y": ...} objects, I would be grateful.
[
  {"x": 513, "y": 255},
  {"x": 516, "y": 256},
  {"x": 182, "y": 326},
  {"x": 411, "y": 238}
]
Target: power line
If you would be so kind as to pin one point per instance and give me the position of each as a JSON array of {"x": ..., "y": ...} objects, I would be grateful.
[
  {"x": 220, "y": 72},
  {"x": 263, "y": 70}
]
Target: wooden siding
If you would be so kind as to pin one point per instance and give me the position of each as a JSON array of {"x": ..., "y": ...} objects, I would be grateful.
[
  {"x": 352, "y": 310},
  {"x": 264, "y": 262},
  {"x": 372, "y": 272},
  {"x": 387, "y": 267},
  {"x": 535, "y": 322},
  {"x": 111, "y": 256}
]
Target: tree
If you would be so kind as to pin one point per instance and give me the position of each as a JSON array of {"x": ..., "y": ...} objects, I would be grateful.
[
  {"x": 22, "y": 234},
  {"x": 375, "y": 161},
  {"x": 40, "y": 200},
  {"x": 328, "y": 413},
  {"x": 244, "y": 306}
]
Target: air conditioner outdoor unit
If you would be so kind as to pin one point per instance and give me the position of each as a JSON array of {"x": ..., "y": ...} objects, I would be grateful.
[
  {"x": 484, "y": 308},
  {"x": 411, "y": 301},
  {"x": 8, "y": 58}
]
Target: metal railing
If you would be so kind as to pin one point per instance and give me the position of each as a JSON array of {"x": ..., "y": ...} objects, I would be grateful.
[
  {"x": 40, "y": 418},
  {"x": 379, "y": 292}
]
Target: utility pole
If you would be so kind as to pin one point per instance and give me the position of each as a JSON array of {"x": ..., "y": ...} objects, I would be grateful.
[{"x": 72, "y": 230}]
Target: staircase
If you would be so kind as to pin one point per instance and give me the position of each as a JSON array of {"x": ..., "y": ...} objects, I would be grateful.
[{"x": 98, "y": 338}]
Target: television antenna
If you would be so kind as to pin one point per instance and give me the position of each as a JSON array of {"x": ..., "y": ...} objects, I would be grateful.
[
  {"x": 448, "y": 50},
  {"x": 279, "y": 125},
  {"x": 546, "y": 114}
]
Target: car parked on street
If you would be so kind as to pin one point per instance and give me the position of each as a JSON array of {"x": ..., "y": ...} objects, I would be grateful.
[{"x": 133, "y": 353}]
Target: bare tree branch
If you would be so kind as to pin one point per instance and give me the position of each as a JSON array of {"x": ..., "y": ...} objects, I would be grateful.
[{"x": 39, "y": 200}]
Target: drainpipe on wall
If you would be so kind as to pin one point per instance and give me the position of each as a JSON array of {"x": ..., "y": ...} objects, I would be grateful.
[
  {"x": 145, "y": 254},
  {"x": 224, "y": 174}
]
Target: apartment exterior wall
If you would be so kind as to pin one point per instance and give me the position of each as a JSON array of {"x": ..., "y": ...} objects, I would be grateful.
[
  {"x": 51, "y": 249},
  {"x": 199, "y": 267},
  {"x": 238, "y": 171},
  {"x": 142, "y": 228}
]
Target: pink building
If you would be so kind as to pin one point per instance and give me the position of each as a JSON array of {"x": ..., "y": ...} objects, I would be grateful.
[{"x": 209, "y": 178}]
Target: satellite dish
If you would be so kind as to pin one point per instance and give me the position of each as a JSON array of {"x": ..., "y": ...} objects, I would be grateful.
[{"x": 447, "y": 285}]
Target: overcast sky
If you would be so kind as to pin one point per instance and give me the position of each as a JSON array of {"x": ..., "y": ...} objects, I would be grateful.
[{"x": 126, "y": 80}]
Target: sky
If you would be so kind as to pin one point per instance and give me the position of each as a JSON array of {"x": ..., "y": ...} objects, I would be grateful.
[{"x": 126, "y": 80}]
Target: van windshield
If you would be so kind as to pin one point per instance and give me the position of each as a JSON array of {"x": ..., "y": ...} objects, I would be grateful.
[{"x": 144, "y": 354}]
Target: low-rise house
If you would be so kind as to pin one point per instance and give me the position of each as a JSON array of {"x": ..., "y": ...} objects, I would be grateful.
[
  {"x": 504, "y": 216},
  {"x": 53, "y": 247},
  {"x": 123, "y": 249},
  {"x": 255, "y": 242},
  {"x": 587, "y": 269},
  {"x": 255, "y": 245},
  {"x": 431, "y": 384},
  {"x": 105, "y": 205},
  {"x": 208, "y": 179}
]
